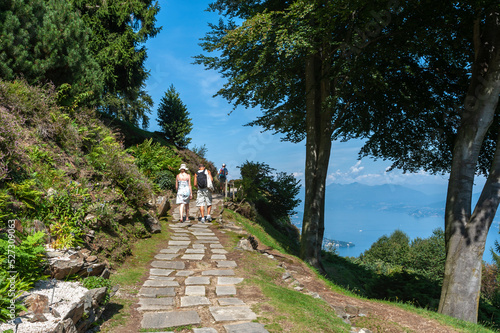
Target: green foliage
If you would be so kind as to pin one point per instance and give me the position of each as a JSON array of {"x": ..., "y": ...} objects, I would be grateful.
[
  {"x": 10, "y": 151},
  {"x": 46, "y": 41},
  {"x": 11, "y": 287},
  {"x": 200, "y": 151},
  {"x": 489, "y": 306},
  {"x": 392, "y": 250},
  {"x": 93, "y": 282},
  {"x": 108, "y": 157},
  {"x": 26, "y": 193},
  {"x": 398, "y": 270},
  {"x": 64, "y": 211},
  {"x": 118, "y": 33},
  {"x": 273, "y": 196},
  {"x": 427, "y": 256},
  {"x": 158, "y": 163},
  {"x": 27, "y": 258},
  {"x": 424, "y": 257},
  {"x": 173, "y": 118},
  {"x": 5, "y": 207}
]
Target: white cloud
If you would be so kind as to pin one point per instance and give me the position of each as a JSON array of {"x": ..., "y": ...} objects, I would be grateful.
[
  {"x": 356, "y": 168},
  {"x": 358, "y": 174}
]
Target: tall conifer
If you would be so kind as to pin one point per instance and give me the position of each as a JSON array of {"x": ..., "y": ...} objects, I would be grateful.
[{"x": 173, "y": 118}]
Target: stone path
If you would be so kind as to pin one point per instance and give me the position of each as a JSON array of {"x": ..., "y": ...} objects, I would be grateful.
[{"x": 191, "y": 282}]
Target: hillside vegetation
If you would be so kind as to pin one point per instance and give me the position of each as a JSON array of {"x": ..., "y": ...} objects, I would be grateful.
[
  {"x": 70, "y": 179},
  {"x": 92, "y": 182}
]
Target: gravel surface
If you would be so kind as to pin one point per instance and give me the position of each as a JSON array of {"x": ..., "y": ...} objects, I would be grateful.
[{"x": 65, "y": 294}]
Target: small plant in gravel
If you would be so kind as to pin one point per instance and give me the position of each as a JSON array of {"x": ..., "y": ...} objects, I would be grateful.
[{"x": 93, "y": 282}]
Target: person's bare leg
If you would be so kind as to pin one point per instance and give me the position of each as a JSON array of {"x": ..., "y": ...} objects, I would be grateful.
[
  {"x": 187, "y": 211},
  {"x": 181, "y": 211},
  {"x": 202, "y": 211}
]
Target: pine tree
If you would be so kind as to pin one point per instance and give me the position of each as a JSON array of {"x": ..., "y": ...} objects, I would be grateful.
[
  {"x": 173, "y": 118},
  {"x": 119, "y": 31},
  {"x": 46, "y": 40}
]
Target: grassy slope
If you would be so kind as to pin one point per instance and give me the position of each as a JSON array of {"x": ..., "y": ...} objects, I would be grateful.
[{"x": 278, "y": 305}]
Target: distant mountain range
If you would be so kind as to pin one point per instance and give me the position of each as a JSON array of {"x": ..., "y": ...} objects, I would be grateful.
[{"x": 387, "y": 197}]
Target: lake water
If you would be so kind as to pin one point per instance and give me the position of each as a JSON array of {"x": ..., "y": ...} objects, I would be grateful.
[{"x": 363, "y": 227}]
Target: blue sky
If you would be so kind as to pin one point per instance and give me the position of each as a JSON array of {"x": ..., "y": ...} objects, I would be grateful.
[{"x": 170, "y": 60}]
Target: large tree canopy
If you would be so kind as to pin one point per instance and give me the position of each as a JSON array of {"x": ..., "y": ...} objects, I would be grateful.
[
  {"x": 394, "y": 73},
  {"x": 119, "y": 31},
  {"x": 45, "y": 40}
]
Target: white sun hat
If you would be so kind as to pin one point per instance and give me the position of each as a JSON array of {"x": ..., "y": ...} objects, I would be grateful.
[{"x": 183, "y": 166}]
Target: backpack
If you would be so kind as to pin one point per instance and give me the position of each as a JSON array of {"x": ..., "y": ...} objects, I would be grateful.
[
  {"x": 222, "y": 173},
  {"x": 202, "y": 179}
]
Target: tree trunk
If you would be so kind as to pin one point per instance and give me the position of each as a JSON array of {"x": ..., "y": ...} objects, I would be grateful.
[
  {"x": 466, "y": 233},
  {"x": 318, "y": 146}
]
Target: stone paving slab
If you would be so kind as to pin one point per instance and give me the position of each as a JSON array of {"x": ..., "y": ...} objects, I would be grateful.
[
  {"x": 159, "y": 271},
  {"x": 159, "y": 277},
  {"x": 180, "y": 225},
  {"x": 199, "y": 225},
  {"x": 160, "y": 283},
  {"x": 195, "y": 291},
  {"x": 170, "y": 319},
  {"x": 219, "y": 251},
  {"x": 197, "y": 280},
  {"x": 155, "y": 292},
  {"x": 226, "y": 264},
  {"x": 218, "y": 257},
  {"x": 229, "y": 280},
  {"x": 156, "y": 304},
  {"x": 173, "y": 249},
  {"x": 173, "y": 243},
  {"x": 166, "y": 256},
  {"x": 246, "y": 328},
  {"x": 191, "y": 251},
  {"x": 219, "y": 272},
  {"x": 179, "y": 230},
  {"x": 203, "y": 241},
  {"x": 198, "y": 246},
  {"x": 216, "y": 246},
  {"x": 225, "y": 290},
  {"x": 204, "y": 330},
  {"x": 168, "y": 264},
  {"x": 177, "y": 238},
  {"x": 194, "y": 301},
  {"x": 230, "y": 301},
  {"x": 184, "y": 273},
  {"x": 207, "y": 238},
  {"x": 192, "y": 257},
  {"x": 232, "y": 313}
]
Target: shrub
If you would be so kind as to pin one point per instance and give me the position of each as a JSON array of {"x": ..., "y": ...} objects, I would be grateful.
[
  {"x": 64, "y": 211},
  {"x": 27, "y": 258},
  {"x": 274, "y": 196},
  {"x": 159, "y": 163},
  {"x": 93, "y": 282},
  {"x": 392, "y": 250},
  {"x": 405, "y": 271},
  {"x": 107, "y": 156}
]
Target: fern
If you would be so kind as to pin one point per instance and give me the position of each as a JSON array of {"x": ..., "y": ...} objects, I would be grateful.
[
  {"x": 28, "y": 257},
  {"x": 26, "y": 193},
  {"x": 9, "y": 294}
]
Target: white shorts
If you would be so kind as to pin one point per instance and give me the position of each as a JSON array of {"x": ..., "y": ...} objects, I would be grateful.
[{"x": 204, "y": 197}]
